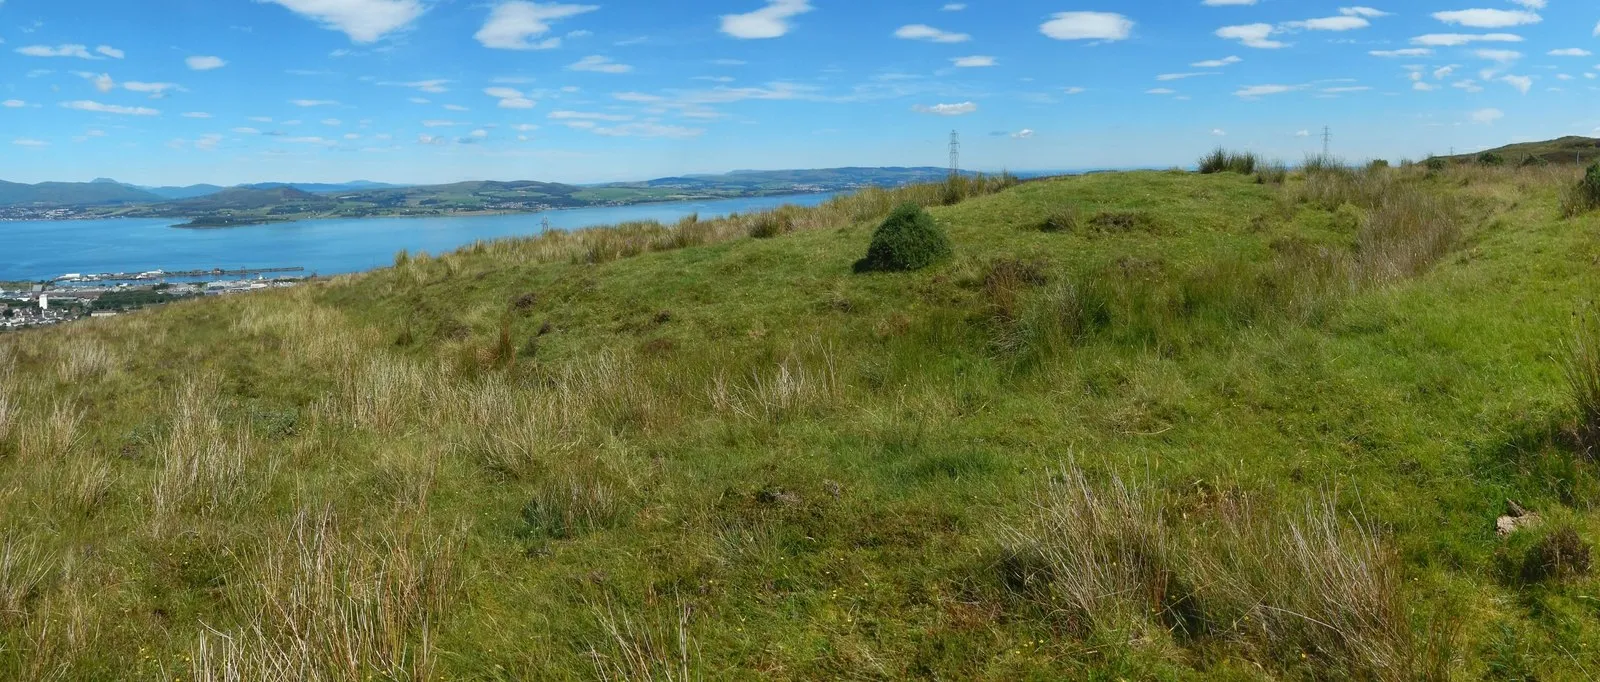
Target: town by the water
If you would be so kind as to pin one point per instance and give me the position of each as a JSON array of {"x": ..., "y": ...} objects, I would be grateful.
[{"x": 76, "y": 296}]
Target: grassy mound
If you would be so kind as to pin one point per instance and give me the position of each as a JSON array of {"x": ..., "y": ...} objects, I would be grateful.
[
  {"x": 907, "y": 240},
  {"x": 1202, "y": 428}
]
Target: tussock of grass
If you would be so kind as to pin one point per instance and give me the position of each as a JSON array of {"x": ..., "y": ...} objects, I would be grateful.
[
  {"x": 1114, "y": 559},
  {"x": 1583, "y": 380},
  {"x": 1224, "y": 161}
]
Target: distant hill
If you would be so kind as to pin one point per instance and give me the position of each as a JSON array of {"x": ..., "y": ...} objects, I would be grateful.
[
  {"x": 189, "y": 192},
  {"x": 73, "y": 194},
  {"x": 1572, "y": 149},
  {"x": 822, "y": 178},
  {"x": 245, "y": 199},
  {"x": 316, "y": 187}
]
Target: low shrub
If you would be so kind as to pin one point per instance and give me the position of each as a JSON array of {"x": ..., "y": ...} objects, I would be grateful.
[
  {"x": 1557, "y": 556},
  {"x": 1491, "y": 159},
  {"x": 1534, "y": 161},
  {"x": 1224, "y": 161},
  {"x": 1436, "y": 164},
  {"x": 1377, "y": 164},
  {"x": 1588, "y": 193},
  {"x": 908, "y": 240}
]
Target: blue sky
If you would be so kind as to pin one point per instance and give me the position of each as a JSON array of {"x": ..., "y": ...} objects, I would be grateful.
[{"x": 232, "y": 91}]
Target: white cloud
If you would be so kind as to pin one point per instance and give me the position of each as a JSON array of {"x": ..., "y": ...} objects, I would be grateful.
[
  {"x": 1161, "y": 91},
  {"x": 1251, "y": 35},
  {"x": 1486, "y": 116},
  {"x": 1467, "y": 84},
  {"x": 208, "y": 142},
  {"x": 1219, "y": 132},
  {"x": 29, "y": 142},
  {"x": 1181, "y": 76},
  {"x": 599, "y": 64},
  {"x": 930, "y": 34},
  {"x": 1444, "y": 72},
  {"x": 1339, "y": 23},
  {"x": 947, "y": 109},
  {"x": 196, "y": 114},
  {"x": 312, "y": 102},
  {"x": 647, "y": 129},
  {"x": 79, "y": 51},
  {"x": 152, "y": 88},
  {"x": 1424, "y": 86},
  {"x": 440, "y": 124},
  {"x": 1074, "y": 91},
  {"x": 586, "y": 116},
  {"x": 205, "y": 63},
  {"x": 1087, "y": 26},
  {"x": 1488, "y": 18},
  {"x": 102, "y": 82},
  {"x": 332, "y": 122},
  {"x": 1521, "y": 83},
  {"x": 1217, "y": 63},
  {"x": 953, "y": 7},
  {"x": 1406, "y": 52},
  {"x": 771, "y": 21},
  {"x": 1227, "y": 3},
  {"x": 13, "y": 104},
  {"x": 1458, "y": 39},
  {"x": 110, "y": 51},
  {"x": 1502, "y": 56},
  {"x": 1023, "y": 134},
  {"x": 510, "y": 98},
  {"x": 1531, "y": 4},
  {"x": 87, "y": 105},
  {"x": 1253, "y": 91},
  {"x": 365, "y": 21},
  {"x": 1303, "y": 133},
  {"x": 1570, "y": 52},
  {"x": 1346, "y": 89},
  {"x": 1367, "y": 12},
  {"x": 973, "y": 61},
  {"x": 435, "y": 86},
  {"x": 512, "y": 24},
  {"x": 246, "y": 131},
  {"x": 455, "y": 107},
  {"x": 430, "y": 139}
]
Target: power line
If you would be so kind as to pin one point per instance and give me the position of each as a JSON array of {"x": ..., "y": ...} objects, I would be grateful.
[
  {"x": 1327, "y": 139},
  {"x": 955, "y": 153}
]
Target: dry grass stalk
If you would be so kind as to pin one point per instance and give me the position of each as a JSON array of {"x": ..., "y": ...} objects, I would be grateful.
[{"x": 1316, "y": 587}]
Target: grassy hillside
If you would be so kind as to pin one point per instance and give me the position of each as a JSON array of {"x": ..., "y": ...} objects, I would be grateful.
[
  {"x": 1142, "y": 426},
  {"x": 1571, "y": 149}
]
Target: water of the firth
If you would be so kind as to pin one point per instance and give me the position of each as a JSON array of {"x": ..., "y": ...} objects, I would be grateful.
[{"x": 46, "y": 249}]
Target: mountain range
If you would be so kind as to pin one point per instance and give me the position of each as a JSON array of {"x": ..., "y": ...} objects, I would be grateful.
[{"x": 105, "y": 192}]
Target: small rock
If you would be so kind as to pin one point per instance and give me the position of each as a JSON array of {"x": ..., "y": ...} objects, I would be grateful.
[{"x": 1517, "y": 518}]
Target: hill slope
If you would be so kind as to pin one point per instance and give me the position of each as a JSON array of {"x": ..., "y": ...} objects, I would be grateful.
[
  {"x": 72, "y": 194},
  {"x": 1571, "y": 149},
  {"x": 1143, "y": 426}
]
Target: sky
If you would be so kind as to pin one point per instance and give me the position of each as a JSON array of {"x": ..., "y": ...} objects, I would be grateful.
[{"x": 175, "y": 92}]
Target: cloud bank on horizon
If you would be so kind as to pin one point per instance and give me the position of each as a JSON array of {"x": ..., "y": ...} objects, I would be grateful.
[{"x": 434, "y": 91}]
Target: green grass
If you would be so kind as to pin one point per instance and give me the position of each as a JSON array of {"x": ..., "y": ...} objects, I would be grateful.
[{"x": 1288, "y": 416}]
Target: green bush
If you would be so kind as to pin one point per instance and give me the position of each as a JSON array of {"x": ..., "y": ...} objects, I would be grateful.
[
  {"x": 1491, "y": 159},
  {"x": 1534, "y": 161},
  {"x": 1589, "y": 187},
  {"x": 907, "y": 240},
  {"x": 1435, "y": 163},
  {"x": 1377, "y": 164}
]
